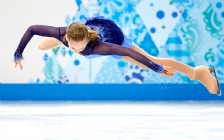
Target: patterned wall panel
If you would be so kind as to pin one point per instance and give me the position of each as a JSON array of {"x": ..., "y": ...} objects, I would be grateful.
[{"x": 190, "y": 31}]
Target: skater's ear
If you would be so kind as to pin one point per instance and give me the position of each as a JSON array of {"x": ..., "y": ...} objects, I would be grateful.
[{"x": 66, "y": 37}]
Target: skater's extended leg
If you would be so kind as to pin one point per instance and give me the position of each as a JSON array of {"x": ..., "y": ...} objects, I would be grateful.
[{"x": 200, "y": 73}]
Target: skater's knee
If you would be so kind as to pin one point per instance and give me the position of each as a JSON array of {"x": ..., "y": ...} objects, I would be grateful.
[{"x": 41, "y": 47}]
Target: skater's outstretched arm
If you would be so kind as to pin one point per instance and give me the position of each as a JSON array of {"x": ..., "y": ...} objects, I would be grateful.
[
  {"x": 41, "y": 30},
  {"x": 104, "y": 48}
]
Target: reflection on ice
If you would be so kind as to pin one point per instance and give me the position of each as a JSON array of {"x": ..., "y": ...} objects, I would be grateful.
[{"x": 86, "y": 121}]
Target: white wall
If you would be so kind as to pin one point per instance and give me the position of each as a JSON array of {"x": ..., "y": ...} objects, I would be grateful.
[{"x": 16, "y": 16}]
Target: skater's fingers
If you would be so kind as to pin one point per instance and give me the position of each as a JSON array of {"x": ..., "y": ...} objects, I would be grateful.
[
  {"x": 170, "y": 75},
  {"x": 15, "y": 64},
  {"x": 167, "y": 74},
  {"x": 20, "y": 65},
  {"x": 19, "y": 62}
]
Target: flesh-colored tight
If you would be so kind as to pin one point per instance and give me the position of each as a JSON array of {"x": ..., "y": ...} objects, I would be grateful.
[{"x": 200, "y": 73}]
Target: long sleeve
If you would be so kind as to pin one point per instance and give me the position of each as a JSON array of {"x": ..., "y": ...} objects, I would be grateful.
[
  {"x": 104, "y": 48},
  {"x": 41, "y": 30}
]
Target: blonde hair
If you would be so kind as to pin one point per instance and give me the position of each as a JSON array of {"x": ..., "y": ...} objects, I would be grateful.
[{"x": 78, "y": 32}]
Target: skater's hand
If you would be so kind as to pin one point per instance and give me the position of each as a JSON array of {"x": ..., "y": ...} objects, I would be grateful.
[
  {"x": 19, "y": 62},
  {"x": 168, "y": 71}
]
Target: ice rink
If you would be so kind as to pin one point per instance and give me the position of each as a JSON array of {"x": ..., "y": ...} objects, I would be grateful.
[{"x": 111, "y": 120}]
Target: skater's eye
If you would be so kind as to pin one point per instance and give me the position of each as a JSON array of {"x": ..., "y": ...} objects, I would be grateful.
[{"x": 81, "y": 49}]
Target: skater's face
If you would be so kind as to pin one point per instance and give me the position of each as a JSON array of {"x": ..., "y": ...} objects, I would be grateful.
[{"x": 77, "y": 46}]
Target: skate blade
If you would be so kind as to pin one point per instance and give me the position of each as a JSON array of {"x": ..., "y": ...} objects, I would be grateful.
[{"x": 219, "y": 92}]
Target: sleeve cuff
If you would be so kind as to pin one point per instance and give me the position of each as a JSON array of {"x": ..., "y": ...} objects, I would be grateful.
[
  {"x": 159, "y": 68},
  {"x": 17, "y": 56}
]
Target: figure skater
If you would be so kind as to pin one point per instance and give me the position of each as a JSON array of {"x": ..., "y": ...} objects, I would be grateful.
[{"x": 100, "y": 36}]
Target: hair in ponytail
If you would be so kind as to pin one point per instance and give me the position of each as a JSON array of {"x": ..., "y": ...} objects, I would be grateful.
[{"x": 93, "y": 34}]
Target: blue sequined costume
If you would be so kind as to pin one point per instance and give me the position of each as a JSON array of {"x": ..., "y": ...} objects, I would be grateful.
[
  {"x": 112, "y": 42},
  {"x": 108, "y": 32}
]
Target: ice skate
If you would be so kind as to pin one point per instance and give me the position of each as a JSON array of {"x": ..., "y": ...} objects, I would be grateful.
[
  {"x": 204, "y": 75},
  {"x": 212, "y": 70}
]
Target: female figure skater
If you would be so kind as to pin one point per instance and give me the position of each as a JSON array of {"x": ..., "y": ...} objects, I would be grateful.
[{"x": 100, "y": 36}]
